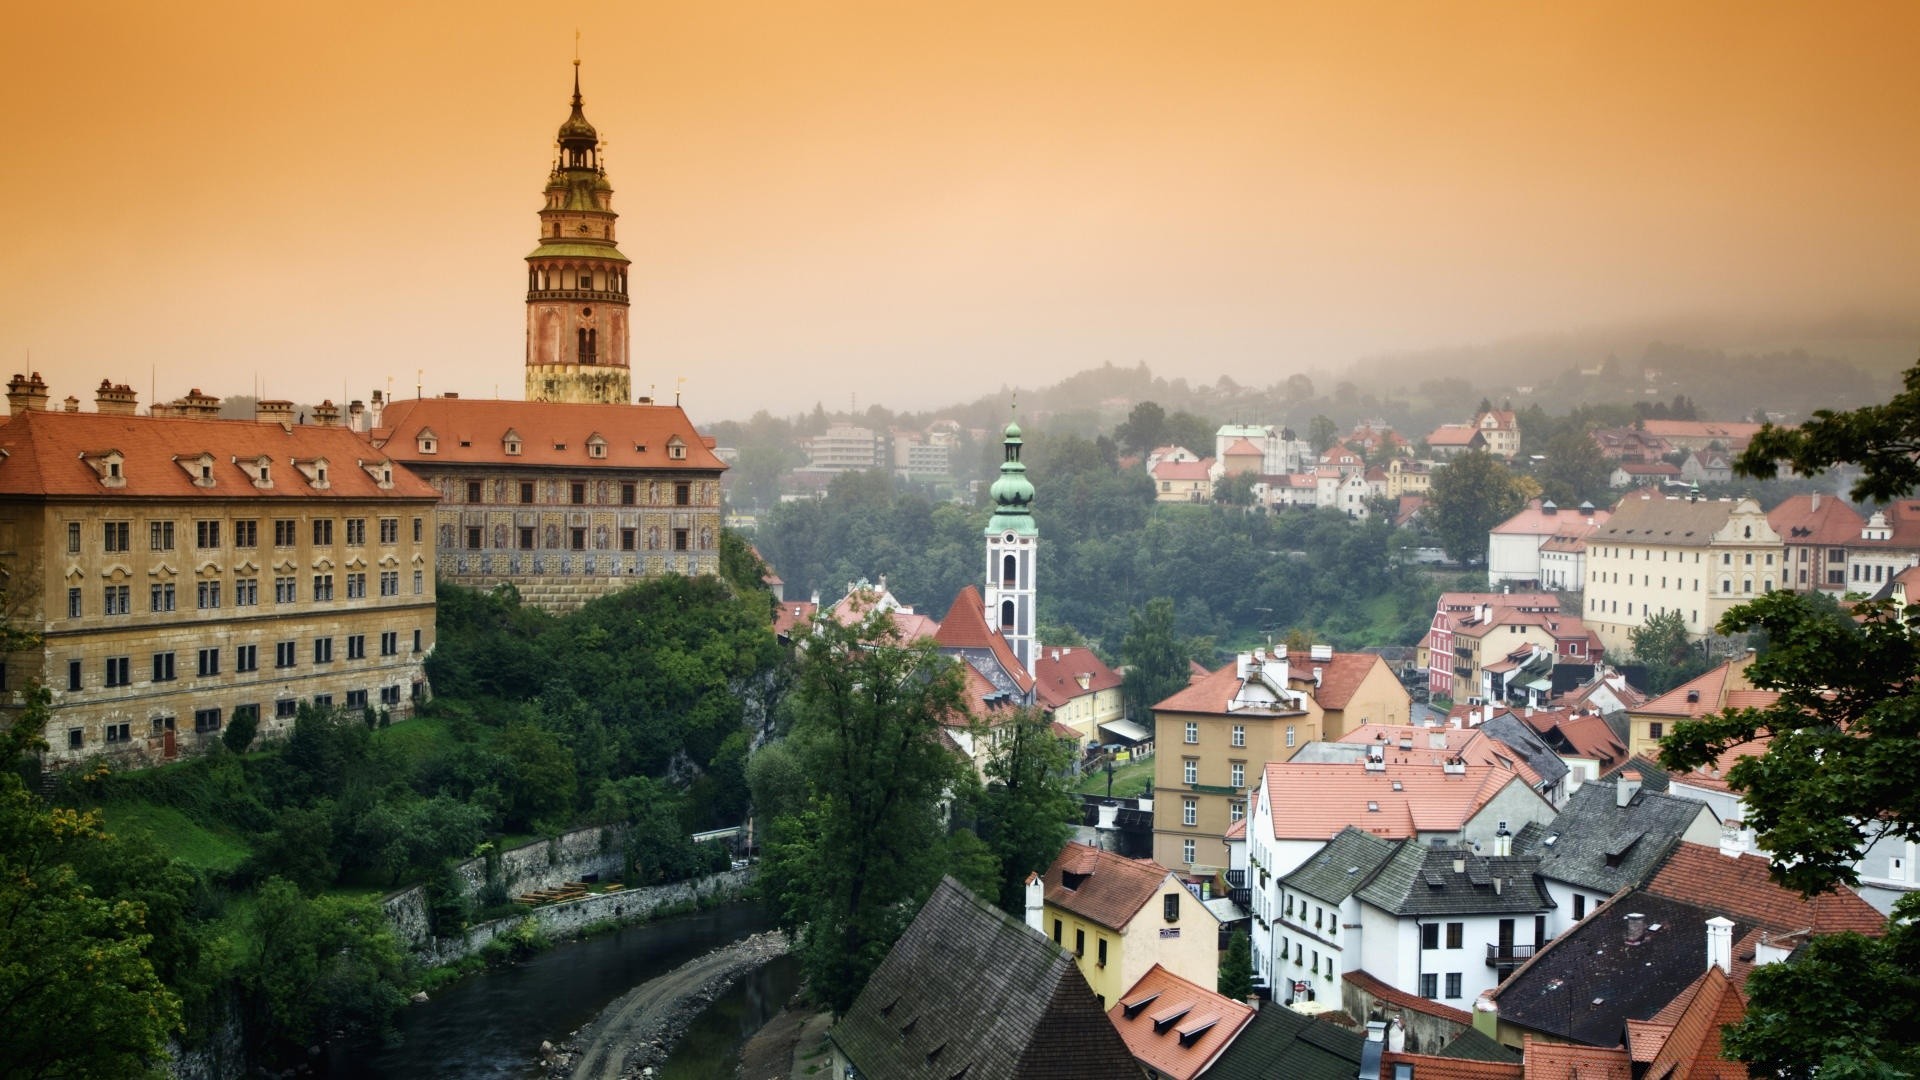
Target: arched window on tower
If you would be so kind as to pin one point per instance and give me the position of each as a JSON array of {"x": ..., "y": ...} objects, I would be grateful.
[
  {"x": 1006, "y": 615},
  {"x": 1007, "y": 572}
]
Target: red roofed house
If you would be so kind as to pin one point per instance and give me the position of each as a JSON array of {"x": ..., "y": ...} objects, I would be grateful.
[
  {"x": 1707, "y": 695},
  {"x": 1514, "y": 545},
  {"x": 1740, "y": 885},
  {"x": 1635, "y": 473},
  {"x": 1121, "y": 917},
  {"x": 1501, "y": 429},
  {"x": 566, "y": 502},
  {"x": 184, "y": 573},
  {"x": 1214, "y": 736},
  {"x": 1817, "y": 530},
  {"x": 1451, "y": 440},
  {"x": 1183, "y": 481},
  {"x": 1174, "y": 1027},
  {"x": 1079, "y": 689}
]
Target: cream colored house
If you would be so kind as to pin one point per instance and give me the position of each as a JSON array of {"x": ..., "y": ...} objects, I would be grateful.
[
  {"x": 1120, "y": 916},
  {"x": 1696, "y": 557}
]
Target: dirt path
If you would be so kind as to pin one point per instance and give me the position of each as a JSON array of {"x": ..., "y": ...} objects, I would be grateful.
[{"x": 640, "y": 1028}]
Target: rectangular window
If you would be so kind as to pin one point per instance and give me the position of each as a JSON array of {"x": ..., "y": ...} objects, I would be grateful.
[
  {"x": 115, "y": 535},
  {"x": 119, "y": 599},
  {"x": 526, "y": 491},
  {"x": 416, "y": 641},
  {"x": 417, "y": 529},
  {"x": 323, "y": 650},
  {"x": 1079, "y": 942},
  {"x": 389, "y": 530},
  {"x": 160, "y": 596},
  {"x": 1189, "y": 812},
  {"x": 73, "y": 538},
  {"x": 246, "y": 592},
  {"x": 163, "y": 667},
  {"x": 473, "y": 538},
  {"x": 285, "y": 532},
  {"x": 205, "y": 720},
  {"x": 160, "y": 535},
  {"x": 118, "y": 733},
  {"x": 679, "y": 539},
  {"x": 1190, "y": 771},
  {"x": 246, "y": 658},
  {"x": 629, "y": 538},
  {"x": 1100, "y": 952},
  {"x": 73, "y": 674},
  {"x": 209, "y": 662},
  {"x": 286, "y": 590},
  {"x": 356, "y": 646},
  {"x": 1289, "y": 735},
  {"x": 356, "y": 699},
  {"x": 1453, "y": 984},
  {"x": 577, "y": 493},
  {"x": 419, "y": 582},
  {"x": 473, "y": 491},
  {"x": 1239, "y": 774},
  {"x": 209, "y": 594},
  {"x": 285, "y": 709},
  {"x": 323, "y": 586},
  {"x": 577, "y": 539},
  {"x": 75, "y": 608},
  {"x": 1430, "y": 985},
  {"x": 283, "y": 654},
  {"x": 1456, "y": 935},
  {"x": 627, "y": 492},
  {"x": 206, "y": 534},
  {"x": 119, "y": 671},
  {"x": 1579, "y": 907},
  {"x": 390, "y": 643},
  {"x": 1239, "y": 735},
  {"x": 390, "y": 695},
  {"x": 323, "y": 701},
  {"x": 246, "y": 712},
  {"x": 323, "y": 532},
  {"x": 356, "y": 532},
  {"x": 389, "y": 583},
  {"x": 526, "y": 538},
  {"x": 1187, "y": 849},
  {"x": 1656, "y": 730},
  {"x": 246, "y": 534},
  {"x": 1193, "y": 732},
  {"x": 683, "y": 494},
  {"x": 1056, "y": 931},
  {"x": 357, "y": 586},
  {"x": 1430, "y": 936}
]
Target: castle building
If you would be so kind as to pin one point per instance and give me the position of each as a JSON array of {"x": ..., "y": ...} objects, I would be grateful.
[
  {"x": 183, "y": 573},
  {"x": 577, "y": 279},
  {"x": 566, "y": 502},
  {"x": 1013, "y": 543}
]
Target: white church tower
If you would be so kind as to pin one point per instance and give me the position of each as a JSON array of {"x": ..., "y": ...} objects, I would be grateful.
[{"x": 1012, "y": 549}]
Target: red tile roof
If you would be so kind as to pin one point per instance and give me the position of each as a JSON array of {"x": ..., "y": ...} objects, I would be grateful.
[
  {"x": 1567, "y": 1061},
  {"x": 1470, "y": 744},
  {"x": 1726, "y": 431},
  {"x": 1174, "y": 1027},
  {"x": 1182, "y": 470},
  {"x": 47, "y": 454},
  {"x": 1382, "y": 992},
  {"x": 1313, "y": 801},
  {"x": 474, "y": 430},
  {"x": 1818, "y": 520},
  {"x": 1704, "y": 695},
  {"x": 790, "y": 614},
  {"x": 965, "y": 627},
  {"x": 1691, "y": 1050},
  {"x": 1113, "y": 888},
  {"x": 1535, "y": 521},
  {"x": 1702, "y": 876},
  {"x": 1059, "y": 669},
  {"x": 1434, "y": 1067},
  {"x": 1340, "y": 677},
  {"x": 1454, "y": 435}
]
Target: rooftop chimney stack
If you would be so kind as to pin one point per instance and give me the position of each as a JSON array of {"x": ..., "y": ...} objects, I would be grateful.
[
  {"x": 327, "y": 414},
  {"x": 273, "y": 411},
  {"x": 1720, "y": 944},
  {"x": 1625, "y": 788},
  {"x": 26, "y": 394},
  {"x": 1636, "y": 928},
  {"x": 1036, "y": 903},
  {"x": 115, "y": 400}
]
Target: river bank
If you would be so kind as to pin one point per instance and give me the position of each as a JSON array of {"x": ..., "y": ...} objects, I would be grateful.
[{"x": 638, "y": 1031}]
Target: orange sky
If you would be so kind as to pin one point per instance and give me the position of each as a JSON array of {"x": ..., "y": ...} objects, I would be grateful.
[{"x": 917, "y": 202}]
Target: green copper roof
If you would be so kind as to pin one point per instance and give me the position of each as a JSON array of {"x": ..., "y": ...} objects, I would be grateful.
[
  {"x": 1012, "y": 492},
  {"x": 571, "y": 249}
]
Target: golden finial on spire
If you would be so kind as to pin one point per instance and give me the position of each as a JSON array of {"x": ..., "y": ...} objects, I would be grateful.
[{"x": 576, "y": 47}]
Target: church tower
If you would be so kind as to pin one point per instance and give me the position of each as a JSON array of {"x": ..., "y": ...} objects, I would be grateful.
[
  {"x": 577, "y": 279},
  {"x": 1012, "y": 546}
]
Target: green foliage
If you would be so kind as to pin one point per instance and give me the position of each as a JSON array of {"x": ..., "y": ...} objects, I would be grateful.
[
  {"x": 1322, "y": 433},
  {"x": 849, "y": 870},
  {"x": 1574, "y": 469},
  {"x": 1236, "y": 968},
  {"x": 1027, "y": 811},
  {"x": 1844, "y": 1006},
  {"x": 1470, "y": 495},
  {"x": 1157, "y": 661},
  {"x": 1235, "y": 489},
  {"x": 315, "y": 967},
  {"x": 1671, "y": 657},
  {"x": 1884, "y": 440},
  {"x": 240, "y": 731},
  {"x": 1144, "y": 430}
]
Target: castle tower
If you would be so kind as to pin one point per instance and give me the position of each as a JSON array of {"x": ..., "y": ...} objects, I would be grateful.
[
  {"x": 1012, "y": 546},
  {"x": 577, "y": 279}
]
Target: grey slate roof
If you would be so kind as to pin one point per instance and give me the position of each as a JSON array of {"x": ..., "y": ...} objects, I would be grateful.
[
  {"x": 969, "y": 991},
  {"x": 1419, "y": 880},
  {"x": 1470, "y": 1045},
  {"x": 1652, "y": 776},
  {"x": 1347, "y": 862},
  {"x": 1596, "y": 844},
  {"x": 1280, "y": 1044},
  {"x": 1588, "y": 983},
  {"x": 1526, "y": 742}
]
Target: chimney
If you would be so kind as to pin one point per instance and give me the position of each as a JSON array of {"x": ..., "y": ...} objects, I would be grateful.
[
  {"x": 26, "y": 394},
  {"x": 72, "y": 403},
  {"x": 1242, "y": 664},
  {"x": 198, "y": 404},
  {"x": 1732, "y": 843},
  {"x": 1816, "y": 502},
  {"x": 273, "y": 411},
  {"x": 1503, "y": 841},
  {"x": 378, "y": 407},
  {"x": 1320, "y": 652},
  {"x": 326, "y": 414},
  {"x": 115, "y": 400},
  {"x": 1625, "y": 788},
  {"x": 1371, "y": 1049},
  {"x": 1459, "y": 864},
  {"x": 1396, "y": 1035},
  {"x": 1036, "y": 903},
  {"x": 1720, "y": 944},
  {"x": 356, "y": 415},
  {"x": 1636, "y": 928}
]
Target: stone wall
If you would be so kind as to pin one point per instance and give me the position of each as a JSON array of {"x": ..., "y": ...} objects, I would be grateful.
[
  {"x": 575, "y": 916},
  {"x": 543, "y": 864}
]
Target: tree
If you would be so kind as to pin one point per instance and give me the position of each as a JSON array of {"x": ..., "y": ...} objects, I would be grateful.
[
  {"x": 1144, "y": 428},
  {"x": 849, "y": 871},
  {"x": 1235, "y": 489},
  {"x": 1322, "y": 432},
  {"x": 1574, "y": 468},
  {"x": 1236, "y": 968},
  {"x": 1472, "y": 494},
  {"x": 317, "y": 967},
  {"x": 1027, "y": 812},
  {"x": 1884, "y": 440},
  {"x": 1157, "y": 664},
  {"x": 1661, "y": 645}
]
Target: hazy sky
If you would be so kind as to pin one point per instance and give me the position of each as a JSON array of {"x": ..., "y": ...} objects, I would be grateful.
[{"x": 916, "y": 202}]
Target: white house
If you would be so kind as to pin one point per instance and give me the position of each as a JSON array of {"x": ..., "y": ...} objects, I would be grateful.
[{"x": 1446, "y": 924}]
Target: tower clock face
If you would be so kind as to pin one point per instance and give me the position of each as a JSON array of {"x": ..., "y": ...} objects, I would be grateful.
[{"x": 1008, "y": 538}]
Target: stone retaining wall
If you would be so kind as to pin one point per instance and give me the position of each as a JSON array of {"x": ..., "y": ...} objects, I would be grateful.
[{"x": 542, "y": 864}]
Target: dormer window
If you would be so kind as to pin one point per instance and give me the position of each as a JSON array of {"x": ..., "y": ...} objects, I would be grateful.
[
  {"x": 676, "y": 449},
  {"x": 199, "y": 468},
  {"x": 315, "y": 470},
  {"x": 381, "y": 471},
  {"x": 511, "y": 441},
  {"x": 427, "y": 441},
  {"x": 596, "y": 446},
  {"x": 259, "y": 470},
  {"x": 108, "y": 464}
]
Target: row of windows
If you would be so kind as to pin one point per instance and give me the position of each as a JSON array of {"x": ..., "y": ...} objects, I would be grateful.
[
  {"x": 1191, "y": 771},
  {"x": 246, "y": 658},
  {"x": 116, "y": 536},
  {"x": 577, "y": 539},
  {"x": 578, "y": 492},
  {"x": 1238, "y": 737},
  {"x": 211, "y": 720},
  {"x": 1430, "y": 985},
  {"x": 163, "y": 596},
  {"x": 1307, "y": 958},
  {"x": 1323, "y": 920}
]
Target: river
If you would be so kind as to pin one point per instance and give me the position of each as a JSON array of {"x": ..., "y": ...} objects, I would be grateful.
[{"x": 492, "y": 1025}]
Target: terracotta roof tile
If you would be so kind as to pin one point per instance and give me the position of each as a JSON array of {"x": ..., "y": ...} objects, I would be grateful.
[
  {"x": 1831, "y": 523},
  {"x": 1565, "y": 1061},
  {"x": 1058, "y": 671},
  {"x": 1339, "y": 677},
  {"x": 474, "y": 430},
  {"x": 1182, "y": 470},
  {"x": 1381, "y": 991},
  {"x": 1535, "y": 521},
  {"x": 1430, "y": 1067},
  {"x": 1112, "y": 889},
  {"x": 1693, "y": 1048},
  {"x": 790, "y": 614},
  {"x": 1740, "y": 886},
  {"x": 965, "y": 627},
  {"x": 1175, "y": 1027},
  {"x": 1316, "y": 801}
]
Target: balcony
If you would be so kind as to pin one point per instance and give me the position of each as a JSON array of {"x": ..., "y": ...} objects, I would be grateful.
[{"x": 1507, "y": 957}]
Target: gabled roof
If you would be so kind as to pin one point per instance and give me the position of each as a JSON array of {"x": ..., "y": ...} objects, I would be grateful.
[
  {"x": 965, "y": 627},
  {"x": 1280, "y": 1044},
  {"x": 1566, "y": 1061},
  {"x": 1740, "y": 887},
  {"x": 1708, "y": 694},
  {"x": 1059, "y": 671},
  {"x": 1730, "y": 432},
  {"x": 1597, "y": 844},
  {"x": 1455, "y": 435},
  {"x": 1340, "y": 677},
  {"x": 48, "y": 453},
  {"x": 1536, "y": 520},
  {"x": 1106, "y": 888},
  {"x": 969, "y": 991},
  {"x": 1690, "y": 1048},
  {"x": 1314, "y": 801},
  {"x": 790, "y": 614},
  {"x": 1816, "y": 519},
  {"x": 473, "y": 430},
  {"x": 1175, "y": 1027},
  {"x": 1209, "y": 693},
  {"x": 1663, "y": 522},
  {"x": 1419, "y": 880},
  {"x": 1436, "y": 1067},
  {"x": 1240, "y": 448},
  {"x": 1183, "y": 470},
  {"x": 1348, "y": 861}
]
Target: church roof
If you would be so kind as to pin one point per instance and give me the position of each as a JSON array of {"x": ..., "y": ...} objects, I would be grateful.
[{"x": 965, "y": 627}]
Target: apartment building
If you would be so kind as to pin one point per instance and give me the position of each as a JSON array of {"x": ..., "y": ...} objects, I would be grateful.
[{"x": 1694, "y": 556}]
